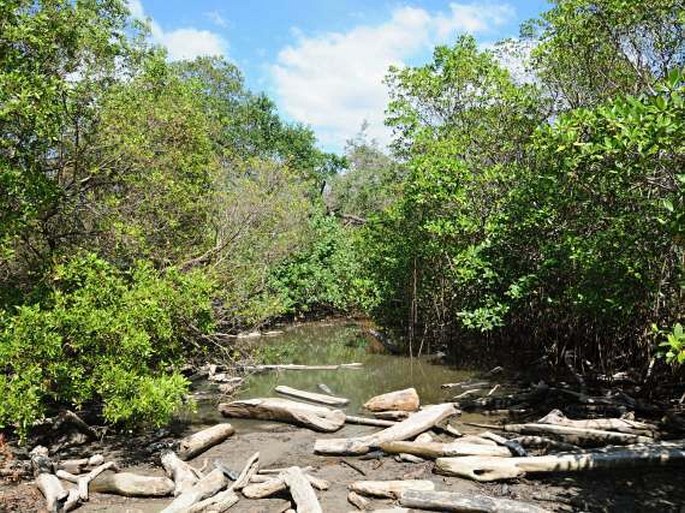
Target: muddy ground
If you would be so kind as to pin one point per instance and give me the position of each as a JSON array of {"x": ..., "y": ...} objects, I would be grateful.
[{"x": 658, "y": 490}]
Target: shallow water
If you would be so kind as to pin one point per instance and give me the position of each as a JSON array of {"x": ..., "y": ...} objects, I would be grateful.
[{"x": 335, "y": 343}]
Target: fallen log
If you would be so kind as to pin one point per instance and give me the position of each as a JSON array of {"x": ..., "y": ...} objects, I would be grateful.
[
  {"x": 199, "y": 442},
  {"x": 183, "y": 475},
  {"x": 132, "y": 485},
  {"x": 390, "y": 489},
  {"x": 318, "y": 418},
  {"x": 358, "y": 501},
  {"x": 297, "y": 367},
  {"x": 417, "y": 423},
  {"x": 365, "y": 421},
  {"x": 328, "y": 400},
  {"x": 80, "y": 465},
  {"x": 402, "y": 400},
  {"x": 223, "y": 501},
  {"x": 264, "y": 486},
  {"x": 541, "y": 442},
  {"x": 208, "y": 486},
  {"x": 493, "y": 469},
  {"x": 464, "y": 503},
  {"x": 432, "y": 450},
  {"x": 394, "y": 415},
  {"x": 574, "y": 435},
  {"x": 57, "y": 498},
  {"x": 82, "y": 482},
  {"x": 622, "y": 425},
  {"x": 301, "y": 491}
]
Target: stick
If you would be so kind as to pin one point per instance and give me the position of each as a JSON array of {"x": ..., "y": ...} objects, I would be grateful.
[
  {"x": 461, "y": 502},
  {"x": 328, "y": 400}
]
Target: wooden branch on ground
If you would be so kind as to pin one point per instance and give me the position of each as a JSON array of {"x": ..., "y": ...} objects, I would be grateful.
[
  {"x": 328, "y": 400},
  {"x": 183, "y": 475},
  {"x": 417, "y": 423},
  {"x": 82, "y": 482},
  {"x": 365, "y": 421},
  {"x": 556, "y": 417},
  {"x": 318, "y": 418},
  {"x": 390, "y": 489},
  {"x": 208, "y": 486},
  {"x": 301, "y": 491},
  {"x": 132, "y": 485},
  {"x": 394, "y": 415},
  {"x": 432, "y": 450},
  {"x": 264, "y": 486},
  {"x": 493, "y": 469},
  {"x": 79, "y": 465},
  {"x": 199, "y": 442},
  {"x": 358, "y": 501},
  {"x": 461, "y": 502}
]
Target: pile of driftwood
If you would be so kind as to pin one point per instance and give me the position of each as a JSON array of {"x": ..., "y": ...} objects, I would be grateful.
[{"x": 409, "y": 432}]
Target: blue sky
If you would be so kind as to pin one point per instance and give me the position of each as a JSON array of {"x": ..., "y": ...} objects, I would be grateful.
[{"x": 323, "y": 61}]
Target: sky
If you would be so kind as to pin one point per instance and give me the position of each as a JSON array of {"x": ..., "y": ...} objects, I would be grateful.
[{"x": 323, "y": 61}]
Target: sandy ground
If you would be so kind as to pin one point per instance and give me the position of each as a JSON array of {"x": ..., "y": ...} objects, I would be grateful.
[{"x": 281, "y": 445}]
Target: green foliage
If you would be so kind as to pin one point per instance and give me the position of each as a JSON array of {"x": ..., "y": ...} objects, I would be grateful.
[
  {"x": 675, "y": 345},
  {"x": 101, "y": 334}
]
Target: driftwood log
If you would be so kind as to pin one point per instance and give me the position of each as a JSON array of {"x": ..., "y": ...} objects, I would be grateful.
[
  {"x": 399, "y": 400},
  {"x": 464, "y": 503},
  {"x": 365, "y": 421},
  {"x": 318, "y": 418},
  {"x": 621, "y": 425},
  {"x": 183, "y": 475},
  {"x": 208, "y": 486},
  {"x": 394, "y": 415},
  {"x": 358, "y": 501},
  {"x": 297, "y": 367},
  {"x": 328, "y": 400},
  {"x": 83, "y": 481},
  {"x": 493, "y": 469},
  {"x": 416, "y": 424},
  {"x": 264, "y": 486},
  {"x": 301, "y": 491},
  {"x": 199, "y": 442},
  {"x": 80, "y": 465},
  {"x": 132, "y": 485},
  {"x": 432, "y": 450},
  {"x": 390, "y": 489}
]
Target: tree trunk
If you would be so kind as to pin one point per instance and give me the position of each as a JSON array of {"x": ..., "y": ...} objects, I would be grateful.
[
  {"x": 199, "y": 442},
  {"x": 464, "y": 503},
  {"x": 318, "y": 418}
]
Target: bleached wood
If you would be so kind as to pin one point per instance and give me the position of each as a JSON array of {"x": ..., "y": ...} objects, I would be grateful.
[
  {"x": 183, "y": 475},
  {"x": 358, "y": 501},
  {"x": 432, "y": 450},
  {"x": 132, "y": 485},
  {"x": 612, "y": 424},
  {"x": 208, "y": 486},
  {"x": 365, "y": 421},
  {"x": 199, "y": 442},
  {"x": 328, "y": 400},
  {"x": 465, "y": 503},
  {"x": 301, "y": 491},
  {"x": 493, "y": 469},
  {"x": 417, "y": 423},
  {"x": 318, "y": 418},
  {"x": 398, "y": 400},
  {"x": 390, "y": 489}
]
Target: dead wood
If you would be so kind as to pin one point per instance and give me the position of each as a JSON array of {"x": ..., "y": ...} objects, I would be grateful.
[
  {"x": 390, "y": 489},
  {"x": 328, "y": 400},
  {"x": 402, "y": 400},
  {"x": 296, "y": 367},
  {"x": 365, "y": 421},
  {"x": 492, "y": 469},
  {"x": 417, "y": 423},
  {"x": 80, "y": 465},
  {"x": 208, "y": 486},
  {"x": 432, "y": 450},
  {"x": 183, "y": 475},
  {"x": 394, "y": 415},
  {"x": 199, "y": 442},
  {"x": 464, "y": 503},
  {"x": 318, "y": 418},
  {"x": 622, "y": 425},
  {"x": 301, "y": 491},
  {"x": 132, "y": 485},
  {"x": 83, "y": 481},
  {"x": 358, "y": 501}
]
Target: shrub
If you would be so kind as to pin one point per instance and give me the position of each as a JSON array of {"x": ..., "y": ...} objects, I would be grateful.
[{"x": 100, "y": 334}]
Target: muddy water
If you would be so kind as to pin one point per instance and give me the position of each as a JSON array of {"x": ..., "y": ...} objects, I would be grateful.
[{"x": 335, "y": 343}]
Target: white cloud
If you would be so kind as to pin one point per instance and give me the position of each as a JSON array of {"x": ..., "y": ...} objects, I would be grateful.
[
  {"x": 335, "y": 81},
  {"x": 216, "y": 18},
  {"x": 182, "y": 43}
]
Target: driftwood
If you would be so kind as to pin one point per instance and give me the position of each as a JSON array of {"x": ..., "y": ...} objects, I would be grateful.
[
  {"x": 132, "y": 485},
  {"x": 57, "y": 498},
  {"x": 390, "y": 489},
  {"x": 395, "y": 415},
  {"x": 70, "y": 418},
  {"x": 464, "y": 503},
  {"x": 301, "y": 491},
  {"x": 365, "y": 421},
  {"x": 318, "y": 418},
  {"x": 264, "y": 486},
  {"x": 208, "y": 486},
  {"x": 296, "y": 367},
  {"x": 183, "y": 475},
  {"x": 574, "y": 435},
  {"x": 432, "y": 450},
  {"x": 621, "y": 425},
  {"x": 541, "y": 442},
  {"x": 492, "y": 469},
  {"x": 417, "y": 423},
  {"x": 328, "y": 400},
  {"x": 402, "y": 400},
  {"x": 80, "y": 465},
  {"x": 199, "y": 442},
  {"x": 83, "y": 481},
  {"x": 358, "y": 501}
]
